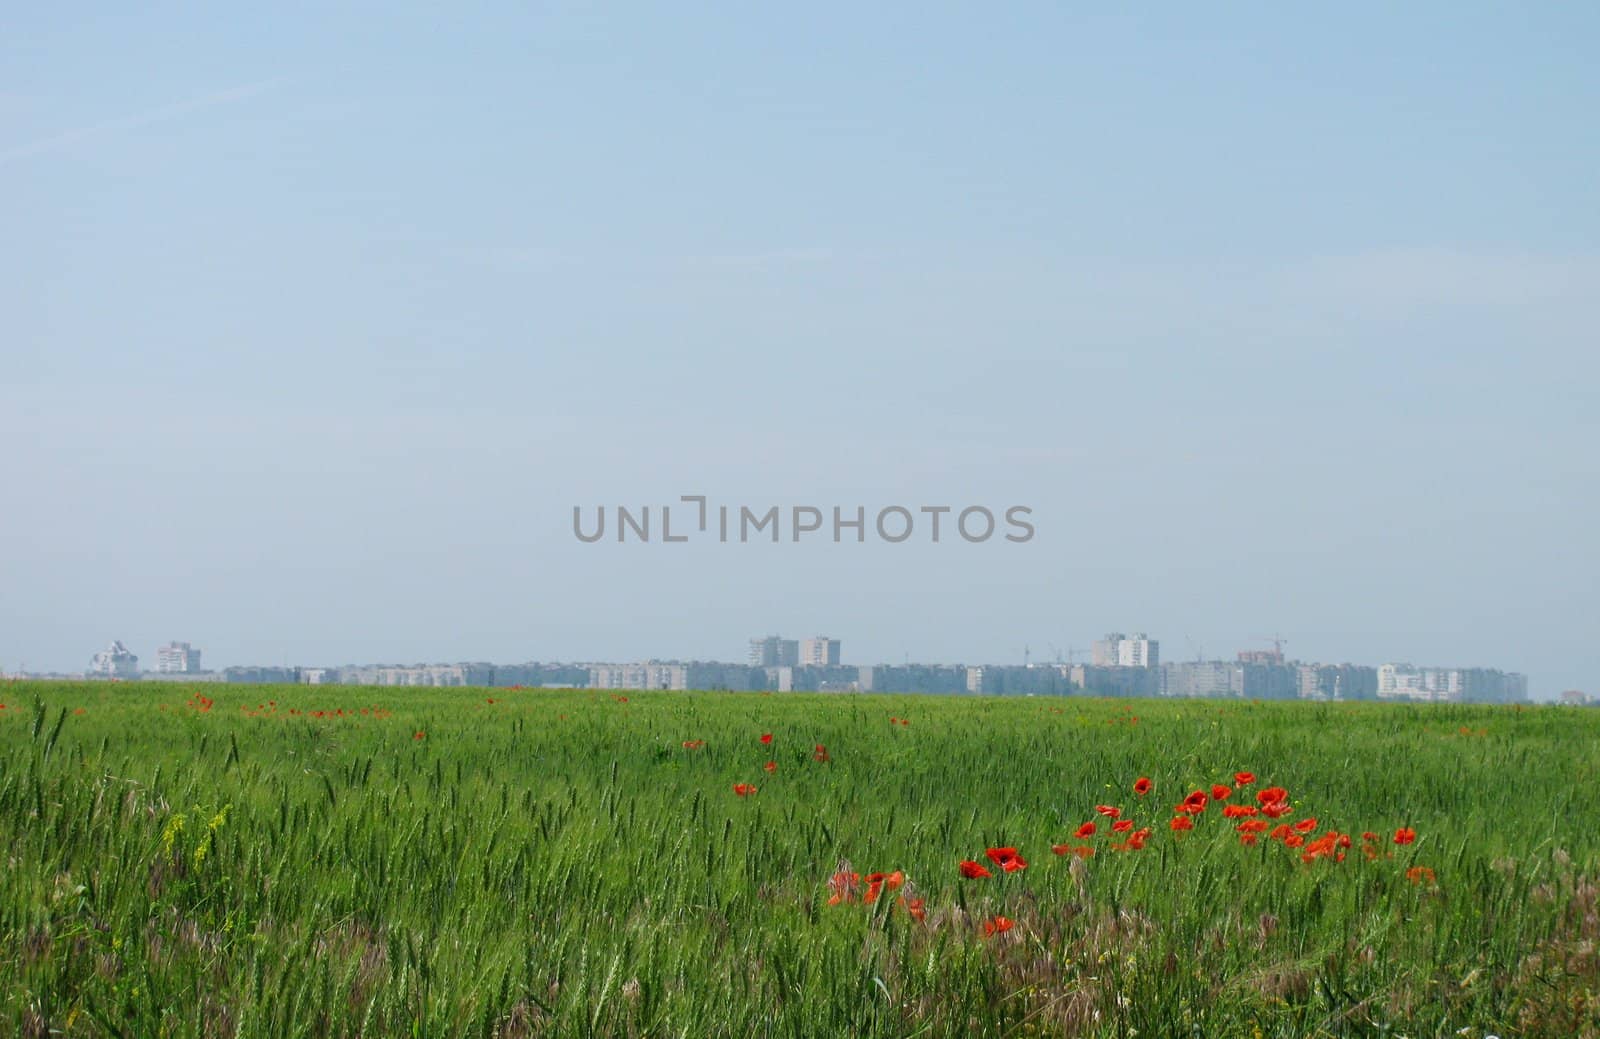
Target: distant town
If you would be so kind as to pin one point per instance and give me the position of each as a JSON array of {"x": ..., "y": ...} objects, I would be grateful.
[{"x": 1118, "y": 665}]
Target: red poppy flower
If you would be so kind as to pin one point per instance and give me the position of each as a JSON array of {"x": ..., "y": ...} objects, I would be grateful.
[
  {"x": 1007, "y": 859},
  {"x": 1220, "y": 792},
  {"x": 1281, "y": 831},
  {"x": 1276, "y": 809},
  {"x": 1061, "y": 849},
  {"x": 843, "y": 885},
  {"x": 771, "y": 767},
  {"x": 1305, "y": 825},
  {"x": 1122, "y": 826},
  {"x": 1369, "y": 836},
  {"x": 1405, "y": 835},
  {"x": 1141, "y": 786},
  {"x": 1252, "y": 826},
  {"x": 914, "y": 907},
  {"x": 1239, "y": 811},
  {"x": 1420, "y": 874},
  {"x": 876, "y": 882},
  {"x": 974, "y": 870},
  {"x": 1083, "y": 851},
  {"x": 693, "y": 744},
  {"x": 743, "y": 789},
  {"x": 1086, "y": 830},
  {"x": 1194, "y": 804},
  {"x": 1109, "y": 811},
  {"x": 766, "y": 737},
  {"x": 1294, "y": 840},
  {"x": 820, "y": 754},
  {"x": 999, "y": 925},
  {"x": 1271, "y": 794},
  {"x": 1248, "y": 838},
  {"x": 1243, "y": 778},
  {"x": 420, "y": 735},
  {"x": 1181, "y": 822}
]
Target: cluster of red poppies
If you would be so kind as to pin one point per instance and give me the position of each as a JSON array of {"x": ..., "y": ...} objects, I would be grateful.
[
  {"x": 1272, "y": 803},
  {"x": 1271, "y": 806},
  {"x": 997, "y": 925},
  {"x": 1127, "y": 836},
  {"x": 1007, "y": 859},
  {"x": 1254, "y": 820},
  {"x": 845, "y": 886}
]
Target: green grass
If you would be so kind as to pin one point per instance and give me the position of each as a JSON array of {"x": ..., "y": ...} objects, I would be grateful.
[{"x": 557, "y": 863}]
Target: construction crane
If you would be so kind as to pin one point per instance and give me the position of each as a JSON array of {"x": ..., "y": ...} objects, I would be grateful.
[
  {"x": 1071, "y": 653},
  {"x": 1277, "y": 644}
]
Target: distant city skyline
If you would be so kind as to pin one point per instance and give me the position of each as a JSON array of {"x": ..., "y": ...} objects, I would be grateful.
[{"x": 1119, "y": 665}]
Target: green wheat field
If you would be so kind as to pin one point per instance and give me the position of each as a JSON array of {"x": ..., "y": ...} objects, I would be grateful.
[{"x": 184, "y": 860}]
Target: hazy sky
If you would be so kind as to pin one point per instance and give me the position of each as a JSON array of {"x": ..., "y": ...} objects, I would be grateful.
[{"x": 315, "y": 325}]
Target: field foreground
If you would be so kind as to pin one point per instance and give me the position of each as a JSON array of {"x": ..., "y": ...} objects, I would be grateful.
[{"x": 229, "y": 860}]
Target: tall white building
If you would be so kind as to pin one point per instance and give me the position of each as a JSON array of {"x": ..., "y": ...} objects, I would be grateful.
[
  {"x": 650, "y": 674},
  {"x": 819, "y": 652},
  {"x": 114, "y": 662},
  {"x": 177, "y": 658},
  {"x": 1405, "y": 682},
  {"x": 1453, "y": 684},
  {"x": 1119, "y": 650},
  {"x": 405, "y": 675},
  {"x": 774, "y": 651}
]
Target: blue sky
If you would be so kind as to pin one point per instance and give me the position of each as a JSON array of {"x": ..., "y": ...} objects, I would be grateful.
[{"x": 316, "y": 323}]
